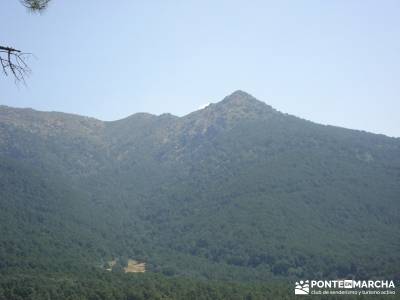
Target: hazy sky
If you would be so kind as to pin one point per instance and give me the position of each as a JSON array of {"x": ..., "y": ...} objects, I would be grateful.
[{"x": 332, "y": 62}]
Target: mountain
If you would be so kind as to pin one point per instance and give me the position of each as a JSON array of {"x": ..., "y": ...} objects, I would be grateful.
[{"x": 237, "y": 191}]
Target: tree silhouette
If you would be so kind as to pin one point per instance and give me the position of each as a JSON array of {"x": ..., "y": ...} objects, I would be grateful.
[
  {"x": 13, "y": 61},
  {"x": 35, "y": 5}
]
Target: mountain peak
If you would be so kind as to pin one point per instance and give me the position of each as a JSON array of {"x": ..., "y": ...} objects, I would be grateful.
[
  {"x": 235, "y": 107},
  {"x": 239, "y": 96},
  {"x": 242, "y": 101}
]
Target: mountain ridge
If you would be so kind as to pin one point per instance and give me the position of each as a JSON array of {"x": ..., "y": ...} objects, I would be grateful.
[{"x": 239, "y": 102}]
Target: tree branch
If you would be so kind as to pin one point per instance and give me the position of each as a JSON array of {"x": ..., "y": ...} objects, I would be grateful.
[{"x": 13, "y": 62}]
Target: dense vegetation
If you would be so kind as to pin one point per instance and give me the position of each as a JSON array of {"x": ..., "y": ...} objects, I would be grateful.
[
  {"x": 236, "y": 192},
  {"x": 96, "y": 285}
]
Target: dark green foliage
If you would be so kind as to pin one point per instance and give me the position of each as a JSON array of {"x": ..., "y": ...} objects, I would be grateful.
[
  {"x": 136, "y": 287},
  {"x": 234, "y": 192}
]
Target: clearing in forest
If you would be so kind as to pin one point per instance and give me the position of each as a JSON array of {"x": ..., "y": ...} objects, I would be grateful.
[{"x": 135, "y": 267}]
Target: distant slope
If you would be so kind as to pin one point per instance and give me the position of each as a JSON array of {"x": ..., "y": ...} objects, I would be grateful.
[{"x": 234, "y": 191}]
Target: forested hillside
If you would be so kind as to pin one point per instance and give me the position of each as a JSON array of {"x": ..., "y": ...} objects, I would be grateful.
[{"x": 237, "y": 199}]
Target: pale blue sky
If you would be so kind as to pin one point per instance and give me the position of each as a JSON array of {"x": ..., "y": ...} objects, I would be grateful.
[{"x": 332, "y": 62}]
